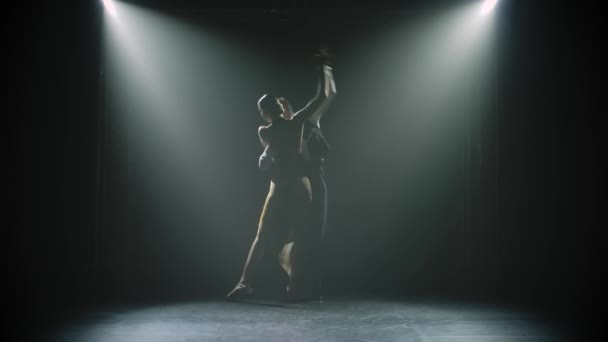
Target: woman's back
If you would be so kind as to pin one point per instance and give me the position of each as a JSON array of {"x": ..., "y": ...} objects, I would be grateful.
[{"x": 284, "y": 138}]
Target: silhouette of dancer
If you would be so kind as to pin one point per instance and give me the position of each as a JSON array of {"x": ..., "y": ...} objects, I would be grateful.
[{"x": 289, "y": 203}]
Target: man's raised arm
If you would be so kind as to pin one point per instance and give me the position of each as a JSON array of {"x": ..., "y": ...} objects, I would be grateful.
[
  {"x": 330, "y": 84},
  {"x": 326, "y": 90}
]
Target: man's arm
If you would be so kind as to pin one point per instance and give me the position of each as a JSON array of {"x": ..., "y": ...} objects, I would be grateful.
[
  {"x": 326, "y": 90},
  {"x": 331, "y": 85}
]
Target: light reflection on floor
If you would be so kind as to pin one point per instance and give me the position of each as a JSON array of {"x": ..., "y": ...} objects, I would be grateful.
[{"x": 340, "y": 320}]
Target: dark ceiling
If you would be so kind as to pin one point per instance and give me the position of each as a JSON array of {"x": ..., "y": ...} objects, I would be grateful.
[
  {"x": 289, "y": 4},
  {"x": 294, "y": 7}
]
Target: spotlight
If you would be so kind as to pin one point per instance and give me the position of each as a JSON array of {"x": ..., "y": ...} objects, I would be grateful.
[
  {"x": 488, "y": 6},
  {"x": 109, "y": 5}
]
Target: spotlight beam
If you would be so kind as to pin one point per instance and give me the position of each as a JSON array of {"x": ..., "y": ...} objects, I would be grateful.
[
  {"x": 109, "y": 5},
  {"x": 488, "y": 6}
]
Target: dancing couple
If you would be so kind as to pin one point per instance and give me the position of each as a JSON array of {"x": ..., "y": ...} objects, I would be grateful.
[{"x": 292, "y": 224}]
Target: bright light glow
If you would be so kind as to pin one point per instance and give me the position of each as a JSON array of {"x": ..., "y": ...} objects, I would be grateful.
[
  {"x": 109, "y": 5},
  {"x": 160, "y": 90},
  {"x": 441, "y": 71},
  {"x": 488, "y": 6}
]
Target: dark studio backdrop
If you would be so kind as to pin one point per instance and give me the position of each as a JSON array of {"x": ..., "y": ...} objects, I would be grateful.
[{"x": 493, "y": 199}]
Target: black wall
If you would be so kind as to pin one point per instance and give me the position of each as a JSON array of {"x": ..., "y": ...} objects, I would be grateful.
[
  {"x": 528, "y": 230},
  {"x": 52, "y": 65}
]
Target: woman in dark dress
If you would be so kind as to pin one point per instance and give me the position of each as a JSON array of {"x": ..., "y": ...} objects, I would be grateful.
[{"x": 314, "y": 151}]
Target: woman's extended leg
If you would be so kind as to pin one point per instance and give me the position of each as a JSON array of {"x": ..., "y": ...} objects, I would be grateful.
[{"x": 269, "y": 240}]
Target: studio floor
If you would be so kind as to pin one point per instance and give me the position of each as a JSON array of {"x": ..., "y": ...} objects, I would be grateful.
[{"x": 331, "y": 321}]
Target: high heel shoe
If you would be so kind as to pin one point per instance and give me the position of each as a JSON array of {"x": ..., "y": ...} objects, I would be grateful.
[{"x": 240, "y": 292}]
